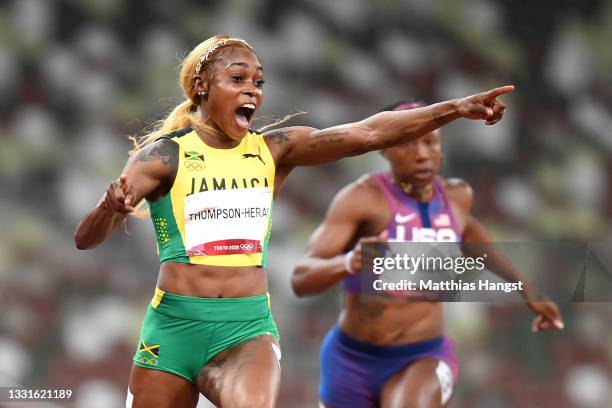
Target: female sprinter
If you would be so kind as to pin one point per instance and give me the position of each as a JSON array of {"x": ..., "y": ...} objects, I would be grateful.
[
  {"x": 386, "y": 353},
  {"x": 209, "y": 182}
]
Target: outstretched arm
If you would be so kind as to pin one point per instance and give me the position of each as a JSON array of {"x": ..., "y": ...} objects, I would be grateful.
[
  {"x": 548, "y": 315},
  {"x": 149, "y": 173},
  {"x": 298, "y": 146}
]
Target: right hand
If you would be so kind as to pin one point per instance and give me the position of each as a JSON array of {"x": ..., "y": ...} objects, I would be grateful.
[
  {"x": 484, "y": 105},
  {"x": 548, "y": 316},
  {"x": 119, "y": 196},
  {"x": 360, "y": 255}
]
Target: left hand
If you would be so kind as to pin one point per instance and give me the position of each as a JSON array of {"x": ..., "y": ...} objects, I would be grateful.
[{"x": 548, "y": 316}]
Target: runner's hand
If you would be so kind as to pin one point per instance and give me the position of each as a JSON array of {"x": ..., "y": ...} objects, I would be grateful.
[
  {"x": 484, "y": 105},
  {"x": 364, "y": 256},
  {"x": 548, "y": 316},
  {"x": 119, "y": 196}
]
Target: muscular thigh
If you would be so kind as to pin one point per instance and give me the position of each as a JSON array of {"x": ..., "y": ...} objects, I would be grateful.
[
  {"x": 415, "y": 386},
  {"x": 246, "y": 375},
  {"x": 160, "y": 389}
]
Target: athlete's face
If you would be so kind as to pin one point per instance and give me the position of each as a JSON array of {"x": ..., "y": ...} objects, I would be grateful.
[
  {"x": 418, "y": 161},
  {"x": 234, "y": 93}
]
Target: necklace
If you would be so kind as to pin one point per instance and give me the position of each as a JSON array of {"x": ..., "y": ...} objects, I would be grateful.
[{"x": 407, "y": 188}]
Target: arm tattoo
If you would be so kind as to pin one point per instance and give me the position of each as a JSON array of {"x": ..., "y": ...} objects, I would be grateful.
[
  {"x": 325, "y": 138},
  {"x": 164, "y": 150},
  {"x": 279, "y": 136}
]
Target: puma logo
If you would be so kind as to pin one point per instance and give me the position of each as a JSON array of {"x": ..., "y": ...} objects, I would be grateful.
[{"x": 252, "y": 156}]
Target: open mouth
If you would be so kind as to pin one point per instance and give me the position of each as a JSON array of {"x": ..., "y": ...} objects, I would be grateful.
[{"x": 244, "y": 114}]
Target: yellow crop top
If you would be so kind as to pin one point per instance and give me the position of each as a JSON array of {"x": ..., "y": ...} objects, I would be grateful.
[{"x": 218, "y": 211}]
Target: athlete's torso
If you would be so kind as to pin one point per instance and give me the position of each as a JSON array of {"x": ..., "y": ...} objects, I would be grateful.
[
  {"x": 387, "y": 322},
  {"x": 213, "y": 226}
]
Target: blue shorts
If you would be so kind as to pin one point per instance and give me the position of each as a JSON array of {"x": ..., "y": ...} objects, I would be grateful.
[{"x": 353, "y": 372}]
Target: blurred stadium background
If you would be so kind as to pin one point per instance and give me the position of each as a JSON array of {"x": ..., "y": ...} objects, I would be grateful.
[{"x": 77, "y": 77}]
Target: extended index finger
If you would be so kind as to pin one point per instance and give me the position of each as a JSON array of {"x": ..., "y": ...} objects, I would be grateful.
[{"x": 494, "y": 93}]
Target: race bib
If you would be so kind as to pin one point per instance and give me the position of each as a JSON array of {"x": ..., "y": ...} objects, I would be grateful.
[{"x": 227, "y": 222}]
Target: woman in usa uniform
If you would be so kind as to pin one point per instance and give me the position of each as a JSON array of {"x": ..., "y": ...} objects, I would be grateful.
[{"x": 384, "y": 352}]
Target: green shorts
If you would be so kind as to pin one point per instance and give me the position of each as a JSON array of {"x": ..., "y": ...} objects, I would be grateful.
[{"x": 180, "y": 334}]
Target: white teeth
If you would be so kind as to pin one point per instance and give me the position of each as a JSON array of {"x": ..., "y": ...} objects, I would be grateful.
[{"x": 248, "y": 105}]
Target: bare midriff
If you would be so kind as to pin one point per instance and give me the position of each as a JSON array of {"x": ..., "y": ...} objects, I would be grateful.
[
  {"x": 389, "y": 322},
  {"x": 212, "y": 281}
]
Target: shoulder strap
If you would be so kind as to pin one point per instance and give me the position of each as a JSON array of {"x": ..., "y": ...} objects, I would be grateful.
[
  {"x": 176, "y": 133},
  {"x": 442, "y": 191},
  {"x": 447, "y": 202},
  {"x": 383, "y": 185}
]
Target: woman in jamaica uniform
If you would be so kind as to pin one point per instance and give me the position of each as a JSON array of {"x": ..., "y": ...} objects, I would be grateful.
[
  {"x": 384, "y": 352},
  {"x": 210, "y": 182}
]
